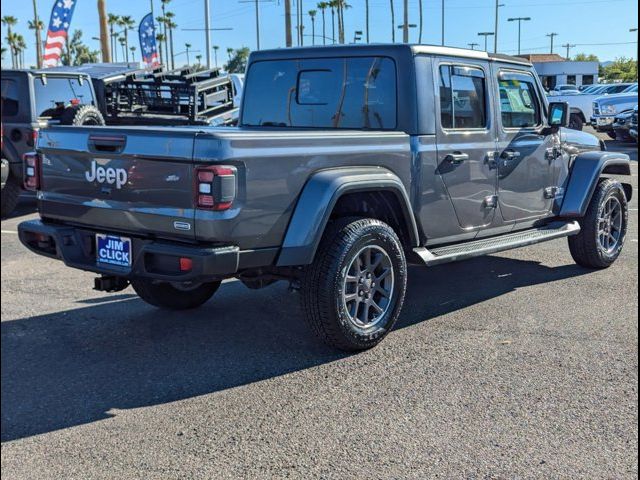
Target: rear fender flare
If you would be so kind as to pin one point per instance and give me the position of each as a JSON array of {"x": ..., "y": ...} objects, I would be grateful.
[
  {"x": 586, "y": 170},
  {"x": 318, "y": 198}
]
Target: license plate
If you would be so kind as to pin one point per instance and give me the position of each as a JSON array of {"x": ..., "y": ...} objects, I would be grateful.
[
  {"x": 605, "y": 121},
  {"x": 113, "y": 250}
]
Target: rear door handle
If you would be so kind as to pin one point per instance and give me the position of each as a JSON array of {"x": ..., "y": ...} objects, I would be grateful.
[
  {"x": 510, "y": 154},
  {"x": 456, "y": 158}
]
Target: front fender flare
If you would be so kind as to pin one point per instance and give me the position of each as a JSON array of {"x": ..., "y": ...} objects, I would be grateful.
[
  {"x": 321, "y": 193},
  {"x": 586, "y": 170}
]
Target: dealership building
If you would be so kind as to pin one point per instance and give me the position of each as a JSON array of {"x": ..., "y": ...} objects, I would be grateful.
[{"x": 556, "y": 70}]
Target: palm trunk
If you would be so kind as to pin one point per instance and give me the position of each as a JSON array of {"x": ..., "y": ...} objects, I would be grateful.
[
  {"x": 104, "y": 43},
  {"x": 341, "y": 22},
  {"x": 324, "y": 30},
  {"x": 366, "y": 6},
  {"x": 333, "y": 25},
  {"x": 126, "y": 44},
  {"x": 393, "y": 22},
  {"x": 36, "y": 21},
  {"x": 313, "y": 31},
  {"x": 171, "y": 46}
]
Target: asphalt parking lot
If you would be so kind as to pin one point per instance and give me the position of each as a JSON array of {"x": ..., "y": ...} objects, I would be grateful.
[{"x": 518, "y": 365}]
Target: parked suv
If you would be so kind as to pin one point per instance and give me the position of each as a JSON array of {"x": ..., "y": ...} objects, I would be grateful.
[
  {"x": 349, "y": 163},
  {"x": 30, "y": 101}
]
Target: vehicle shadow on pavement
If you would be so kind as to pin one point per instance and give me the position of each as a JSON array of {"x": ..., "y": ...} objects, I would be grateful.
[
  {"x": 78, "y": 366},
  {"x": 26, "y": 206}
]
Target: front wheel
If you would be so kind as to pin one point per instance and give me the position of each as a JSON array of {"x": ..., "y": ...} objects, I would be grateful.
[
  {"x": 174, "y": 296},
  {"x": 353, "y": 292},
  {"x": 603, "y": 228}
]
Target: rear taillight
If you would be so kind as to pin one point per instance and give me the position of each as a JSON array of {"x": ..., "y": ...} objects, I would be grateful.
[
  {"x": 31, "y": 162},
  {"x": 215, "y": 187}
]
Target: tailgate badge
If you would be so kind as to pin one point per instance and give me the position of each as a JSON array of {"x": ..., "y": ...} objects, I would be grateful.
[
  {"x": 172, "y": 178},
  {"x": 184, "y": 226}
]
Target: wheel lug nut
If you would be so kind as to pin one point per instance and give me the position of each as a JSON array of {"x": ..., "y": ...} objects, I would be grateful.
[{"x": 360, "y": 293}]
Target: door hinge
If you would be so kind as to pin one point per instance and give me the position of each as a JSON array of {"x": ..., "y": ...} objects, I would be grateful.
[
  {"x": 491, "y": 201},
  {"x": 553, "y": 192}
]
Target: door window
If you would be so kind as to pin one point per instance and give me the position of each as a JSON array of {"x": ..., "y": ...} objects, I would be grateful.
[
  {"x": 462, "y": 97},
  {"x": 519, "y": 103}
]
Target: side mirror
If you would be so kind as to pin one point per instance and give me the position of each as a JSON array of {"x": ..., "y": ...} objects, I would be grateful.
[{"x": 558, "y": 114}]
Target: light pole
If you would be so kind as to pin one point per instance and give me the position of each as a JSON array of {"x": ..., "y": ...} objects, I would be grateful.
[
  {"x": 551, "y": 36},
  {"x": 405, "y": 28},
  {"x": 405, "y": 24},
  {"x": 632, "y": 30},
  {"x": 207, "y": 32},
  {"x": 473, "y": 45},
  {"x": 486, "y": 35},
  {"x": 519, "y": 20},
  {"x": 442, "y": 23},
  {"x": 495, "y": 39}
]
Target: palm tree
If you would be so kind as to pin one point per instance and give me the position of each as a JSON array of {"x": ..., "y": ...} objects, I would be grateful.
[
  {"x": 127, "y": 23},
  {"x": 198, "y": 59},
  {"x": 37, "y": 25},
  {"x": 287, "y": 23},
  {"x": 341, "y": 6},
  {"x": 170, "y": 26},
  {"x": 332, "y": 6},
  {"x": 393, "y": 22},
  {"x": 133, "y": 52},
  {"x": 112, "y": 21},
  {"x": 312, "y": 14},
  {"x": 322, "y": 6},
  {"x": 160, "y": 38},
  {"x": 215, "y": 54},
  {"x": 104, "y": 25},
  {"x": 366, "y": 18},
  {"x": 164, "y": 20},
  {"x": 229, "y": 52},
  {"x": 187, "y": 46},
  {"x": 21, "y": 46},
  {"x": 10, "y": 21},
  {"x": 3, "y": 50},
  {"x": 123, "y": 45}
]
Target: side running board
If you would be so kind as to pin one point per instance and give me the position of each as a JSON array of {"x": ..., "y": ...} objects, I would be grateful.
[{"x": 485, "y": 246}]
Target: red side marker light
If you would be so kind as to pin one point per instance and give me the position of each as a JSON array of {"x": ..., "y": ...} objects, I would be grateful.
[{"x": 186, "y": 264}]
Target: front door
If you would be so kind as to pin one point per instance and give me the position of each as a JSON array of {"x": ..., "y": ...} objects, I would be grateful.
[
  {"x": 525, "y": 157},
  {"x": 466, "y": 140}
]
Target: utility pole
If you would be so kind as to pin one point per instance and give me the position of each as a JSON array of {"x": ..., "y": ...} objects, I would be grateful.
[
  {"x": 207, "y": 32},
  {"x": 495, "y": 30},
  {"x": 442, "y": 23},
  {"x": 287, "y": 22},
  {"x": 405, "y": 25},
  {"x": 257, "y": 25},
  {"x": 519, "y": 20},
  {"x": 552, "y": 35},
  {"x": 486, "y": 35},
  {"x": 366, "y": 7},
  {"x": 473, "y": 45},
  {"x": 568, "y": 46},
  {"x": 635, "y": 30}
]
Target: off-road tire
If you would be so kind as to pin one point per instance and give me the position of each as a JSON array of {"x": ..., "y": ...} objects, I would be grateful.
[
  {"x": 10, "y": 194},
  {"x": 585, "y": 247},
  {"x": 166, "y": 295},
  {"x": 322, "y": 283},
  {"x": 575, "y": 122},
  {"x": 81, "y": 115}
]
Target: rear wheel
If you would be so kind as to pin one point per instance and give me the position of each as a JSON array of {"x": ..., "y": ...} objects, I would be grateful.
[
  {"x": 575, "y": 122},
  {"x": 353, "y": 292},
  {"x": 10, "y": 194},
  {"x": 174, "y": 296},
  {"x": 603, "y": 228}
]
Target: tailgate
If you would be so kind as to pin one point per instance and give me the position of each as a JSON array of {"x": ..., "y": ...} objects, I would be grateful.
[{"x": 119, "y": 179}]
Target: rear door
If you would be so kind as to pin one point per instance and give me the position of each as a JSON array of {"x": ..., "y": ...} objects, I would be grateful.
[
  {"x": 128, "y": 180},
  {"x": 466, "y": 139},
  {"x": 525, "y": 157}
]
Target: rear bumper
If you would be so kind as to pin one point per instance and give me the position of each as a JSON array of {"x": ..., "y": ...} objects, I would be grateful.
[{"x": 150, "y": 259}]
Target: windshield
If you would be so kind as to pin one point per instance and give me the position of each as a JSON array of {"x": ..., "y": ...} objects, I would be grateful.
[
  {"x": 631, "y": 89},
  {"x": 58, "y": 93},
  {"x": 357, "y": 93}
]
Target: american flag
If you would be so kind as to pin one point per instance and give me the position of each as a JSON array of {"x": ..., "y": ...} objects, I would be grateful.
[
  {"x": 148, "y": 47},
  {"x": 57, "y": 34}
]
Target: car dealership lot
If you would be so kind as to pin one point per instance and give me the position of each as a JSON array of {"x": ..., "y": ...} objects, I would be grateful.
[{"x": 517, "y": 365}]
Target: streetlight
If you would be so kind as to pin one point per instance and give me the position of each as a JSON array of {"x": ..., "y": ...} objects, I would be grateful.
[
  {"x": 357, "y": 35},
  {"x": 473, "y": 45},
  {"x": 495, "y": 39},
  {"x": 551, "y": 36},
  {"x": 519, "y": 20},
  {"x": 485, "y": 35},
  {"x": 405, "y": 29}
]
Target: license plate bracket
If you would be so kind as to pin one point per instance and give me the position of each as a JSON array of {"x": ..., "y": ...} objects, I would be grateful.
[{"x": 113, "y": 250}]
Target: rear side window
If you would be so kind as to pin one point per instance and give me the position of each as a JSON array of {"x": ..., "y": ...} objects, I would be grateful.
[
  {"x": 9, "y": 89},
  {"x": 519, "y": 105},
  {"x": 462, "y": 97},
  {"x": 340, "y": 93},
  {"x": 58, "y": 93}
]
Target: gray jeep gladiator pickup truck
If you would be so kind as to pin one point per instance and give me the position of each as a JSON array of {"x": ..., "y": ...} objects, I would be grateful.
[{"x": 349, "y": 162}]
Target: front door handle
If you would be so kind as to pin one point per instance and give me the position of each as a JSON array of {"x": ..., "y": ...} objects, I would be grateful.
[{"x": 456, "y": 158}]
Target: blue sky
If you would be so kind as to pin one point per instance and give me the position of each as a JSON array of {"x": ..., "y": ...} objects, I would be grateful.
[{"x": 585, "y": 23}]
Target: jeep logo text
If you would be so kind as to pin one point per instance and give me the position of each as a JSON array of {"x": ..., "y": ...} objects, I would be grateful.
[{"x": 109, "y": 175}]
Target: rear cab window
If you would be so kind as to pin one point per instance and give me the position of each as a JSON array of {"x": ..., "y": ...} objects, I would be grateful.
[
  {"x": 463, "y": 98},
  {"x": 57, "y": 93},
  {"x": 327, "y": 93},
  {"x": 520, "y": 104}
]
